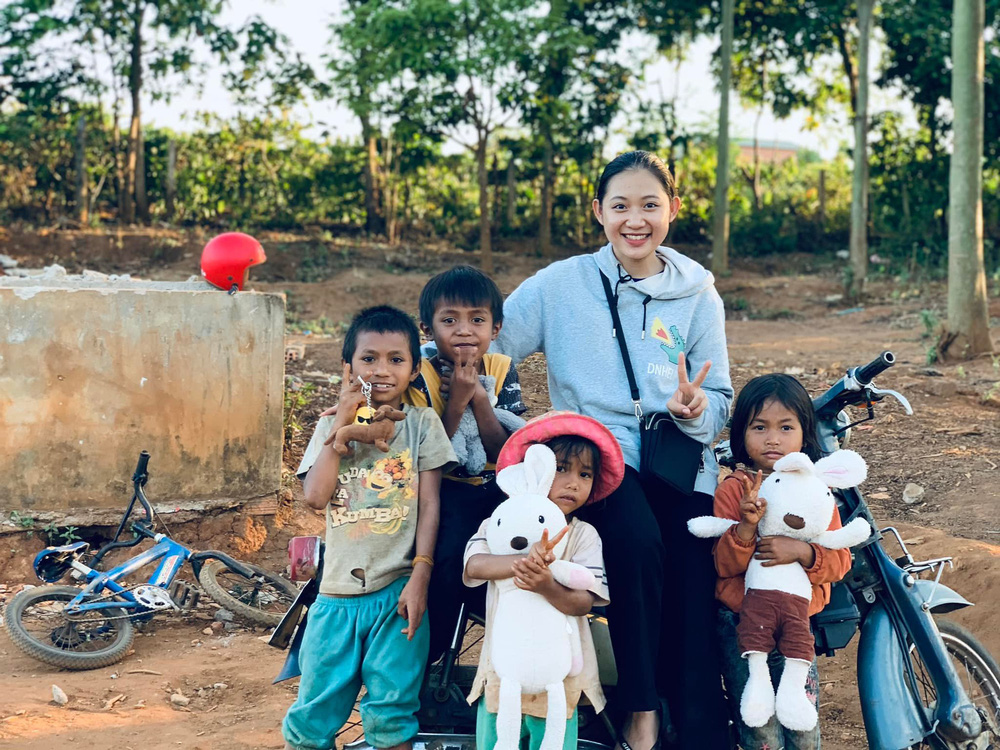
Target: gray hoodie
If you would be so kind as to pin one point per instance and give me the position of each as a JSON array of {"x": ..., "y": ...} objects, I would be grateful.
[{"x": 562, "y": 312}]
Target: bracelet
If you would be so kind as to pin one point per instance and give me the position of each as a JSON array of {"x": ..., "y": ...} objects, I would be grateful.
[{"x": 422, "y": 559}]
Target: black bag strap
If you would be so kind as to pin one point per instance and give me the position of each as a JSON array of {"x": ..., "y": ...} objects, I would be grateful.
[{"x": 616, "y": 321}]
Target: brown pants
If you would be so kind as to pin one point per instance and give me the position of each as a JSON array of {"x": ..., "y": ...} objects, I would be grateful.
[{"x": 774, "y": 618}]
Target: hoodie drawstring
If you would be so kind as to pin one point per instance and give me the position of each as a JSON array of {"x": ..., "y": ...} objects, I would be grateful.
[{"x": 623, "y": 278}]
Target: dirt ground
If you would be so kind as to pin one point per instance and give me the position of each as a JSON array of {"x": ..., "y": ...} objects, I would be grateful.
[{"x": 783, "y": 315}]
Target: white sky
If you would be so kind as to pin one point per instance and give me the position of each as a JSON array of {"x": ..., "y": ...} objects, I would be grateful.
[{"x": 308, "y": 29}]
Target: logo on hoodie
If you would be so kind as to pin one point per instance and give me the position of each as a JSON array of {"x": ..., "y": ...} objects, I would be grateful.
[{"x": 671, "y": 342}]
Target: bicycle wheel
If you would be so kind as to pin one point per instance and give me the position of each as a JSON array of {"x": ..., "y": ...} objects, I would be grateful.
[
  {"x": 980, "y": 676},
  {"x": 36, "y": 624},
  {"x": 262, "y": 600}
]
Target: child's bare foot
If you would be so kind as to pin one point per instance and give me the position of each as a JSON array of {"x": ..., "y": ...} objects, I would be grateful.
[{"x": 642, "y": 731}]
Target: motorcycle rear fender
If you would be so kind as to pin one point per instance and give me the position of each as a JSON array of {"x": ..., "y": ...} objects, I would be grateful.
[{"x": 893, "y": 719}]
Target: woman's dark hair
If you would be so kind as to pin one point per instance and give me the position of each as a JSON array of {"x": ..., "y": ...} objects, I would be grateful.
[
  {"x": 382, "y": 319},
  {"x": 570, "y": 446},
  {"x": 463, "y": 285},
  {"x": 788, "y": 392},
  {"x": 637, "y": 160}
]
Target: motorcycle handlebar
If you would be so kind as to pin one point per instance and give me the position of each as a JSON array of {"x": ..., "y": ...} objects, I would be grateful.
[{"x": 867, "y": 373}]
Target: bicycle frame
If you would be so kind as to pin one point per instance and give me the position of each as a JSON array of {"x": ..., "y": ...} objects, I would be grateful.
[{"x": 172, "y": 556}]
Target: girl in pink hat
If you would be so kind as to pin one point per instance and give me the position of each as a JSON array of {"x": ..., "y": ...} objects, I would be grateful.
[{"x": 589, "y": 467}]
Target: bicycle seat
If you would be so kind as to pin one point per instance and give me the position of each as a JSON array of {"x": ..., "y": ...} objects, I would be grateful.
[
  {"x": 68, "y": 547},
  {"x": 52, "y": 563}
]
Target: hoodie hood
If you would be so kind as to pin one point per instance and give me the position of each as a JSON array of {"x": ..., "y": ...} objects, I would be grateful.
[{"x": 681, "y": 277}]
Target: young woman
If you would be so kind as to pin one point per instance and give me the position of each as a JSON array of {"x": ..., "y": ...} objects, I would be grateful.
[{"x": 662, "y": 614}]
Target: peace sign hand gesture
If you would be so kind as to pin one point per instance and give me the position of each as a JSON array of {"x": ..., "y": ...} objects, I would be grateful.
[{"x": 689, "y": 400}]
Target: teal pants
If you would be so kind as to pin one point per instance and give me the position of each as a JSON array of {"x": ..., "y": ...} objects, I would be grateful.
[
  {"x": 349, "y": 642},
  {"x": 532, "y": 730}
]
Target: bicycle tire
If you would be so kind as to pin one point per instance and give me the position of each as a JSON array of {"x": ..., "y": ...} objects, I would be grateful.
[
  {"x": 981, "y": 677},
  {"x": 246, "y": 603},
  {"x": 124, "y": 632}
]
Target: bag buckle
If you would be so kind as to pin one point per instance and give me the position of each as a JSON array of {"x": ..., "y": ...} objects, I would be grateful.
[{"x": 638, "y": 409}]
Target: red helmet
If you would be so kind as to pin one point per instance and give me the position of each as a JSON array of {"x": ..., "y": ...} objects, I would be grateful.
[{"x": 226, "y": 259}]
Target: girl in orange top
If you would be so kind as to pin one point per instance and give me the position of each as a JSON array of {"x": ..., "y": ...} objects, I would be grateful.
[{"x": 773, "y": 417}]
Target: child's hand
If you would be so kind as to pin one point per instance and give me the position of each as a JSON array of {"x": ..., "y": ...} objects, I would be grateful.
[
  {"x": 781, "y": 550},
  {"x": 412, "y": 606},
  {"x": 463, "y": 384},
  {"x": 530, "y": 575},
  {"x": 541, "y": 551},
  {"x": 689, "y": 400},
  {"x": 752, "y": 507},
  {"x": 351, "y": 398}
]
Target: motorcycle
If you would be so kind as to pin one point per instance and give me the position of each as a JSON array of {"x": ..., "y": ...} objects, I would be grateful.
[{"x": 924, "y": 681}]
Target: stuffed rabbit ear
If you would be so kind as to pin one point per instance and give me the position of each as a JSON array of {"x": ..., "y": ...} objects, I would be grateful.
[
  {"x": 533, "y": 476},
  {"x": 842, "y": 469},
  {"x": 794, "y": 462}
]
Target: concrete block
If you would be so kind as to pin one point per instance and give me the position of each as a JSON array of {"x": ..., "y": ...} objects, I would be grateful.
[{"x": 92, "y": 371}]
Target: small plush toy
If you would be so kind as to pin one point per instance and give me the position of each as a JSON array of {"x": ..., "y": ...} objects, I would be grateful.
[
  {"x": 534, "y": 645},
  {"x": 466, "y": 441},
  {"x": 800, "y": 505},
  {"x": 369, "y": 427}
]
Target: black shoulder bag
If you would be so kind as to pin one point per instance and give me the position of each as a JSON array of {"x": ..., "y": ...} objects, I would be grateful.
[{"x": 665, "y": 451}]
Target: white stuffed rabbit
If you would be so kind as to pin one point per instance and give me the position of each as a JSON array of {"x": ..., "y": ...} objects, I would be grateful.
[
  {"x": 534, "y": 645},
  {"x": 800, "y": 505}
]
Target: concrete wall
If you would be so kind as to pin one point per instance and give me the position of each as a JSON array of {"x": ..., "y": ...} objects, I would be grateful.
[{"x": 92, "y": 372}]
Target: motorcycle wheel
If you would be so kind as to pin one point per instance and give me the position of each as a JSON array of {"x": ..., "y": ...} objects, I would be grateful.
[
  {"x": 36, "y": 624},
  {"x": 262, "y": 600},
  {"x": 980, "y": 677}
]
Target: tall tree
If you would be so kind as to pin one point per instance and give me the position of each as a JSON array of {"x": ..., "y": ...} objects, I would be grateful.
[
  {"x": 574, "y": 86},
  {"x": 720, "y": 218},
  {"x": 967, "y": 332},
  {"x": 456, "y": 63},
  {"x": 858, "y": 248},
  {"x": 362, "y": 75}
]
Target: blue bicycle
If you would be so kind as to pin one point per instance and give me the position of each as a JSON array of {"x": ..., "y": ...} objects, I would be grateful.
[{"x": 92, "y": 627}]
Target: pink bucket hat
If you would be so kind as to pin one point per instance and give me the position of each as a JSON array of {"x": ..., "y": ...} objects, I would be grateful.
[{"x": 555, "y": 424}]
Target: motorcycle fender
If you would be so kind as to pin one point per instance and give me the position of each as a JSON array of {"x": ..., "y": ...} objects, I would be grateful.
[
  {"x": 893, "y": 718},
  {"x": 941, "y": 598}
]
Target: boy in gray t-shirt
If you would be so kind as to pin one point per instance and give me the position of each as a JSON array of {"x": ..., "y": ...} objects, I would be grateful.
[{"x": 382, "y": 513}]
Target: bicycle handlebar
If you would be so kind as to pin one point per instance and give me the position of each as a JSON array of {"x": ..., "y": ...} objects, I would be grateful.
[
  {"x": 139, "y": 480},
  {"x": 867, "y": 373},
  {"x": 140, "y": 468}
]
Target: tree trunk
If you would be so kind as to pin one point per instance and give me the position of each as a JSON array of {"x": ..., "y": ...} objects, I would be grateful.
[
  {"x": 858, "y": 270},
  {"x": 511, "y": 192},
  {"x": 497, "y": 203},
  {"x": 485, "y": 248},
  {"x": 116, "y": 153},
  {"x": 393, "y": 154},
  {"x": 133, "y": 159},
  {"x": 548, "y": 189},
  {"x": 374, "y": 218},
  {"x": 141, "y": 200},
  {"x": 81, "y": 197},
  {"x": 967, "y": 331},
  {"x": 822, "y": 199},
  {"x": 720, "y": 219},
  {"x": 170, "y": 194}
]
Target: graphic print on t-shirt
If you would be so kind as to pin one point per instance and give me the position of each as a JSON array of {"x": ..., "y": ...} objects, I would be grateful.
[
  {"x": 672, "y": 343},
  {"x": 379, "y": 499}
]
